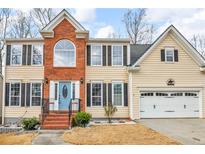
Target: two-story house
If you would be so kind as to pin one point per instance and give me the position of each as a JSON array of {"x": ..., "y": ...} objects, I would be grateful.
[{"x": 161, "y": 80}]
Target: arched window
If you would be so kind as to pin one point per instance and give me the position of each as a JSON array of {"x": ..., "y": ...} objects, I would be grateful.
[{"x": 64, "y": 54}]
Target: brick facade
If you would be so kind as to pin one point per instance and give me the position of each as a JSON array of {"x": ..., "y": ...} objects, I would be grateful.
[{"x": 65, "y": 30}]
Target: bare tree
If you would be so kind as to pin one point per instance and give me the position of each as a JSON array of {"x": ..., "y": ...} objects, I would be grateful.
[
  {"x": 138, "y": 29},
  {"x": 23, "y": 26},
  {"x": 198, "y": 41},
  {"x": 4, "y": 22},
  {"x": 42, "y": 16}
]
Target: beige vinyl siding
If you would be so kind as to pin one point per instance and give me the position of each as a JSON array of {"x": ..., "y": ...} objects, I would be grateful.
[
  {"x": 26, "y": 112},
  {"x": 24, "y": 73},
  {"x": 154, "y": 73},
  {"x": 107, "y": 74},
  {"x": 98, "y": 112}
]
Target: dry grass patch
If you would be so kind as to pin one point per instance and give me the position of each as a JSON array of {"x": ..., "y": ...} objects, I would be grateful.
[
  {"x": 116, "y": 134},
  {"x": 14, "y": 139}
]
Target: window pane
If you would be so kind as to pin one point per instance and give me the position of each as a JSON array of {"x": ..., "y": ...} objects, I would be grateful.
[
  {"x": 64, "y": 54},
  {"x": 96, "y": 94},
  {"x": 169, "y": 55},
  {"x": 37, "y": 54},
  {"x": 15, "y": 94},
  {"x": 16, "y": 54},
  {"x": 96, "y": 55},
  {"x": 36, "y": 94},
  {"x": 117, "y": 55},
  {"x": 117, "y": 94}
]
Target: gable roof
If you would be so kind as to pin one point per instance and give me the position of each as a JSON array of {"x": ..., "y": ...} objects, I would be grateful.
[
  {"x": 179, "y": 37},
  {"x": 48, "y": 29},
  {"x": 136, "y": 51}
]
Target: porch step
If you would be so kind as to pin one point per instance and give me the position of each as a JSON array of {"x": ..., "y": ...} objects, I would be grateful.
[
  {"x": 55, "y": 126},
  {"x": 55, "y": 120}
]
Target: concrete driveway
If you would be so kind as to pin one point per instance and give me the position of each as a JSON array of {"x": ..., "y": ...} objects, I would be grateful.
[{"x": 186, "y": 131}]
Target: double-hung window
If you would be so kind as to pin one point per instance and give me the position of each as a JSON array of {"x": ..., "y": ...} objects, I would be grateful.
[
  {"x": 169, "y": 54},
  {"x": 36, "y": 94},
  {"x": 16, "y": 54},
  {"x": 15, "y": 94},
  {"x": 117, "y": 93},
  {"x": 117, "y": 55},
  {"x": 96, "y": 91},
  {"x": 96, "y": 55},
  {"x": 37, "y": 55}
]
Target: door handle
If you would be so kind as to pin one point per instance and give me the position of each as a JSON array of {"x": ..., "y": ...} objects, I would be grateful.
[
  {"x": 154, "y": 106},
  {"x": 184, "y": 106}
]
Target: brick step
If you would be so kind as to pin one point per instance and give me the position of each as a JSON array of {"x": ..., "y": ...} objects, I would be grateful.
[
  {"x": 55, "y": 122},
  {"x": 56, "y": 118},
  {"x": 55, "y": 126},
  {"x": 57, "y": 115}
]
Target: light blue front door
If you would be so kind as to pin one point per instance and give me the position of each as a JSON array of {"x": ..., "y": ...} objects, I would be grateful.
[{"x": 64, "y": 95}]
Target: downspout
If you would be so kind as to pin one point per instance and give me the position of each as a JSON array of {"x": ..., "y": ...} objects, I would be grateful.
[
  {"x": 3, "y": 94},
  {"x": 131, "y": 96}
]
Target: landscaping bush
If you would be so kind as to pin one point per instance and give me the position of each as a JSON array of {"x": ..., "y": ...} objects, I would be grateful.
[
  {"x": 30, "y": 123},
  {"x": 82, "y": 119}
]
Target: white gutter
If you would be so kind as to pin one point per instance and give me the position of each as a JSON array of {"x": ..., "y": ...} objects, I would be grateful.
[
  {"x": 202, "y": 69},
  {"x": 130, "y": 69}
]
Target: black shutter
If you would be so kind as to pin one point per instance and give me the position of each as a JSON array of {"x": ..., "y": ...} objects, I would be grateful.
[
  {"x": 104, "y": 94},
  {"x": 109, "y": 93},
  {"x": 88, "y": 94},
  {"x": 29, "y": 55},
  {"x": 8, "y": 54},
  {"x": 176, "y": 55},
  {"x": 7, "y": 91},
  {"x": 109, "y": 56},
  {"x": 104, "y": 55},
  {"x": 24, "y": 54},
  {"x": 125, "y": 95},
  {"x": 88, "y": 55},
  {"x": 23, "y": 94},
  {"x": 28, "y": 88},
  {"x": 125, "y": 55},
  {"x": 162, "y": 55}
]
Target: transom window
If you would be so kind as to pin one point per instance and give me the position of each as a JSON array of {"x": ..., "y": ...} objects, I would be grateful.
[
  {"x": 96, "y": 55},
  {"x": 161, "y": 94},
  {"x": 16, "y": 53},
  {"x": 37, "y": 55},
  {"x": 190, "y": 94},
  {"x": 96, "y": 94},
  {"x": 147, "y": 94},
  {"x": 64, "y": 54},
  {"x": 117, "y": 94},
  {"x": 15, "y": 94},
  {"x": 176, "y": 94},
  {"x": 117, "y": 55},
  {"x": 36, "y": 94},
  {"x": 169, "y": 54}
]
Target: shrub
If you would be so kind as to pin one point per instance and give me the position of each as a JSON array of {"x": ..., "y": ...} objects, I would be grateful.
[
  {"x": 30, "y": 123},
  {"x": 82, "y": 119},
  {"x": 109, "y": 111}
]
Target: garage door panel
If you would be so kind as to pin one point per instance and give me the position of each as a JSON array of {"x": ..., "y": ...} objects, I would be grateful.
[{"x": 169, "y": 105}]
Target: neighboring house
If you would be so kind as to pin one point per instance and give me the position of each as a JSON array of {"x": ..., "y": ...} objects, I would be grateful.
[{"x": 163, "y": 80}]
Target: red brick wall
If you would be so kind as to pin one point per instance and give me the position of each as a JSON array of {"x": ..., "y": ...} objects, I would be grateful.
[{"x": 65, "y": 30}]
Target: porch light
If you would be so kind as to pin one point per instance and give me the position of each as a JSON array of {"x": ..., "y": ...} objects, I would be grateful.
[
  {"x": 81, "y": 80},
  {"x": 46, "y": 80}
]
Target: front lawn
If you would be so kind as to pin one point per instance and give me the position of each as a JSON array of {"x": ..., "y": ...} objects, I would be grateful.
[
  {"x": 13, "y": 139},
  {"x": 116, "y": 134}
]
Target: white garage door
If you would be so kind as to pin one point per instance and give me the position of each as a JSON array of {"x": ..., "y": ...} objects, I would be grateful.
[{"x": 169, "y": 104}]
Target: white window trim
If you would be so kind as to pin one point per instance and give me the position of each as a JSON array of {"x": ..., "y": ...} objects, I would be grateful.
[
  {"x": 32, "y": 55},
  {"x": 112, "y": 55},
  {"x": 122, "y": 83},
  {"x": 91, "y": 59},
  {"x": 13, "y": 82},
  {"x": 74, "y": 65},
  {"x": 91, "y": 90},
  {"x": 172, "y": 49},
  {"x": 31, "y": 93},
  {"x": 12, "y": 55}
]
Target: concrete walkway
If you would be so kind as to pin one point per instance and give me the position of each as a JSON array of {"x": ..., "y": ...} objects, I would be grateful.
[
  {"x": 49, "y": 137},
  {"x": 186, "y": 131}
]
